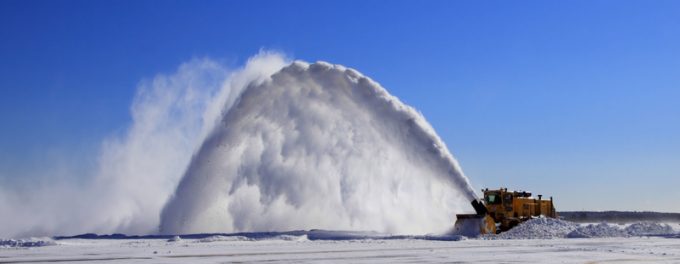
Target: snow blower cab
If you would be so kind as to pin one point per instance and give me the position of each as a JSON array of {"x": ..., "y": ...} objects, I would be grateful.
[{"x": 501, "y": 210}]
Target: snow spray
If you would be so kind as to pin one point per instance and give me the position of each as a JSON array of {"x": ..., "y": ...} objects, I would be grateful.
[
  {"x": 318, "y": 146},
  {"x": 271, "y": 146}
]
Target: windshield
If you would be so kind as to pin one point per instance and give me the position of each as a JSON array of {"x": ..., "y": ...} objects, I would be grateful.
[{"x": 493, "y": 198}]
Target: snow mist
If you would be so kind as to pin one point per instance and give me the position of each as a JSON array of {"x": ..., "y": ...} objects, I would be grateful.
[
  {"x": 270, "y": 146},
  {"x": 137, "y": 169},
  {"x": 318, "y": 146}
]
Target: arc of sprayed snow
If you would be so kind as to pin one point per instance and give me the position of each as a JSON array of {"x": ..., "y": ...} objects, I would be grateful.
[
  {"x": 428, "y": 133},
  {"x": 261, "y": 190}
]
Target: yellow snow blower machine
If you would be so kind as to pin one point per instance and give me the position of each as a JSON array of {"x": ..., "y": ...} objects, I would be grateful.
[{"x": 501, "y": 210}]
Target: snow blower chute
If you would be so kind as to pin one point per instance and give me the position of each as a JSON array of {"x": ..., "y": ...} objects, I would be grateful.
[{"x": 475, "y": 224}]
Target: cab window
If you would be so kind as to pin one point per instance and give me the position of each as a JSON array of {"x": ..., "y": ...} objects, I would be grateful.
[
  {"x": 508, "y": 198},
  {"x": 493, "y": 199}
]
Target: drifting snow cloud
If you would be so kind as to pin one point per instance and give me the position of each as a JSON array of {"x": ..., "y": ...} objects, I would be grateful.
[
  {"x": 319, "y": 146},
  {"x": 138, "y": 171},
  {"x": 265, "y": 147},
  {"x": 171, "y": 116}
]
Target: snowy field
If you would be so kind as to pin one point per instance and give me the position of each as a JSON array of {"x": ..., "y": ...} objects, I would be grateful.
[
  {"x": 536, "y": 241},
  {"x": 592, "y": 250}
]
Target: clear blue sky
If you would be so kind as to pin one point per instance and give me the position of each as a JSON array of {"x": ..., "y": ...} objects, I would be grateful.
[{"x": 578, "y": 99}]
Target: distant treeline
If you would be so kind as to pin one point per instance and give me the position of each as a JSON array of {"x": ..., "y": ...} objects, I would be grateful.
[{"x": 618, "y": 216}]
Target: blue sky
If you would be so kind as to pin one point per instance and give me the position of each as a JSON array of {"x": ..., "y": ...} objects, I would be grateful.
[{"x": 576, "y": 99}]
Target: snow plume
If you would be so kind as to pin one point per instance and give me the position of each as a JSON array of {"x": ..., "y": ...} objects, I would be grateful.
[
  {"x": 271, "y": 146},
  {"x": 319, "y": 146},
  {"x": 137, "y": 171}
]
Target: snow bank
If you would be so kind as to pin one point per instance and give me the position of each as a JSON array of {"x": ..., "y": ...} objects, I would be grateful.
[
  {"x": 291, "y": 238},
  {"x": 175, "y": 239},
  {"x": 220, "y": 238},
  {"x": 549, "y": 228},
  {"x": 539, "y": 228},
  {"x": 608, "y": 230},
  {"x": 359, "y": 235},
  {"x": 31, "y": 242},
  {"x": 649, "y": 228},
  {"x": 598, "y": 230}
]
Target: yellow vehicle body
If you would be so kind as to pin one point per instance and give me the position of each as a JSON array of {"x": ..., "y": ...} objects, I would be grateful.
[
  {"x": 509, "y": 208},
  {"x": 501, "y": 210}
]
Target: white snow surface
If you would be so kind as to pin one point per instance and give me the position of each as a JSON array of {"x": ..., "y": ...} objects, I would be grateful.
[
  {"x": 541, "y": 240},
  {"x": 559, "y": 250}
]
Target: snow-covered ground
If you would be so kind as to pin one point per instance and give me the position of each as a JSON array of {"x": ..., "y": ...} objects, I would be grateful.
[
  {"x": 536, "y": 241},
  {"x": 599, "y": 250}
]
